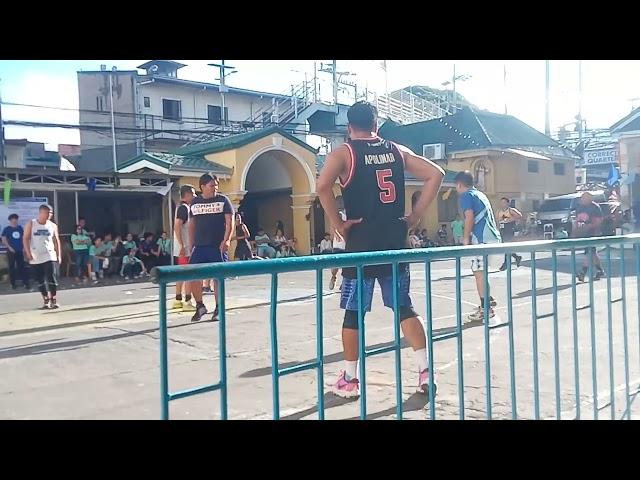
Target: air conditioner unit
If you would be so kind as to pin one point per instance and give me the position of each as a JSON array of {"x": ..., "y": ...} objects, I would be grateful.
[{"x": 433, "y": 151}]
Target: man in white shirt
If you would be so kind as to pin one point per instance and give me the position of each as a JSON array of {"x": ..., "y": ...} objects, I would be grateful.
[{"x": 326, "y": 246}]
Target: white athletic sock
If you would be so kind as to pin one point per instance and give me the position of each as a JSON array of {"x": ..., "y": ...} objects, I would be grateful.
[
  {"x": 421, "y": 358},
  {"x": 351, "y": 368}
]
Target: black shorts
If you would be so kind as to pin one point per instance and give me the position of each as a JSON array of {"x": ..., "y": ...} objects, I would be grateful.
[{"x": 46, "y": 273}]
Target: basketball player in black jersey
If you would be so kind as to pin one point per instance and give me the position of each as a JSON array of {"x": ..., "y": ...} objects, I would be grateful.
[{"x": 371, "y": 174}]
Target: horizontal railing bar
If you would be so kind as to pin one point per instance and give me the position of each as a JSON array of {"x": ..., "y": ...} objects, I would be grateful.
[
  {"x": 314, "y": 262},
  {"x": 195, "y": 391},
  {"x": 445, "y": 336},
  {"x": 499, "y": 325},
  {"x": 298, "y": 368},
  {"x": 378, "y": 351},
  {"x": 584, "y": 307},
  {"x": 546, "y": 315},
  {"x": 616, "y": 300}
]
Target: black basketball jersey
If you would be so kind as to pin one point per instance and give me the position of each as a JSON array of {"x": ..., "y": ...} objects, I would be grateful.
[{"x": 374, "y": 190}]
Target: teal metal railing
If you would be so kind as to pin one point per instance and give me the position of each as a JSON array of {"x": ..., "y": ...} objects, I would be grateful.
[{"x": 426, "y": 257}]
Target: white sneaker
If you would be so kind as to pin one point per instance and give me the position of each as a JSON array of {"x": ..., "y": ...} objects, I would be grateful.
[{"x": 478, "y": 315}]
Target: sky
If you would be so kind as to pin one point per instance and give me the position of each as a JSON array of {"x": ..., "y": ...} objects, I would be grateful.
[{"x": 610, "y": 88}]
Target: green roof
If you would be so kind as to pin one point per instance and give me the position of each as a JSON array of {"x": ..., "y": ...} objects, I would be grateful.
[
  {"x": 196, "y": 163},
  {"x": 474, "y": 130},
  {"x": 237, "y": 141},
  {"x": 629, "y": 123}
]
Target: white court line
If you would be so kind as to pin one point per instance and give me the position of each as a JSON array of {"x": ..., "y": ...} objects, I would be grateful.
[{"x": 589, "y": 401}]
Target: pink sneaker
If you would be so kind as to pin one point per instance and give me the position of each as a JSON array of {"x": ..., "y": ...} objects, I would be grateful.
[
  {"x": 423, "y": 383},
  {"x": 346, "y": 388}
]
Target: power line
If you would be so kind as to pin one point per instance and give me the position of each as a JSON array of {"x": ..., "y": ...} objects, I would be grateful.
[{"x": 133, "y": 130}]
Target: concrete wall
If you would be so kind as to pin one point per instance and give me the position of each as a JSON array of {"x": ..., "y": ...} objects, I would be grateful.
[
  {"x": 274, "y": 208},
  {"x": 629, "y": 155},
  {"x": 95, "y": 106},
  {"x": 194, "y": 103},
  {"x": 507, "y": 175},
  {"x": 14, "y": 156}
]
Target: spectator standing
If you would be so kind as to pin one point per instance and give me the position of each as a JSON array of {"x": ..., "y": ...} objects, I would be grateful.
[
  {"x": 80, "y": 243},
  {"x": 507, "y": 218},
  {"x": 457, "y": 228},
  {"x": 12, "y": 238},
  {"x": 146, "y": 254},
  {"x": 243, "y": 248},
  {"x": 163, "y": 250}
]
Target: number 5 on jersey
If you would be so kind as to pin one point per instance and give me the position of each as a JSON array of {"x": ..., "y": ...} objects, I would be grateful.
[{"x": 387, "y": 187}]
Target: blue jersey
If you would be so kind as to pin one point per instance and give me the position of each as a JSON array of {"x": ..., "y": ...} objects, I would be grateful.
[{"x": 484, "y": 226}]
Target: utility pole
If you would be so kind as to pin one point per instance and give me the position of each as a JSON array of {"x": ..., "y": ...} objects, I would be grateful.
[
  {"x": 315, "y": 82},
  {"x": 223, "y": 86},
  {"x": 580, "y": 100},
  {"x": 455, "y": 103},
  {"x": 547, "y": 123},
  {"x": 335, "y": 82},
  {"x": 336, "y": 76},
  {"x": 504, "y": 79},
  {"x": 113, "y": 123}
]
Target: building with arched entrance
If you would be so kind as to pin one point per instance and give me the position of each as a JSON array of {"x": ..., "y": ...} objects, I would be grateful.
[{"x": 269, "y": 175}]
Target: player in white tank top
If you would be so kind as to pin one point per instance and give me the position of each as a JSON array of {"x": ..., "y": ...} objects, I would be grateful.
[{"x": 42, "y": 249}]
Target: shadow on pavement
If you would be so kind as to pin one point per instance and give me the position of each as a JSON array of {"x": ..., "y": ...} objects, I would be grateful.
[
  {"x": 337, "y": 357},
  {"x": 416, "y": 401}
]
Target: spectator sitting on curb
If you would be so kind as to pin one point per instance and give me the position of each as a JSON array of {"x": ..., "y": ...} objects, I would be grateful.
[
  {"x": 262, "y": 242},
  {"x": 132, "y": 266},
  {"x": 326, "y": 246}
]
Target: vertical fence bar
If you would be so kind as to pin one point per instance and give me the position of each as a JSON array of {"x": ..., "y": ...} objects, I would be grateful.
[
  {"x": 319, "y": 344},
  {"x": 556, "y": 347},
  {"x": 534, "y": 320},
  {"x": 512, "y": 361},
  {"x": 637, "y": 249},
  {"x": 223, "y": 349},
  {"x": 397, "y": 340},
  {"x": 361, "y": 345},
  {"x": 164, "y": 372},
  {"x": 429, "y": 314},
  {"x": 576, "y": 351},
  {"x": 612, "y": 384},
  {"x": 275, "y": 377},
  {"x": 459, "y": 338},
  {"x": 487, "y": 343},
  {"x": 623, "y": 285},
  {"x": 594, "y": 373}
]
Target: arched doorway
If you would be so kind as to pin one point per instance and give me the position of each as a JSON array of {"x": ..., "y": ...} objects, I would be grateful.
[{"x": 277, "y": 189}]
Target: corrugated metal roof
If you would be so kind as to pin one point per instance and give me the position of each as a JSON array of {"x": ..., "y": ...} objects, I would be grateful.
[
  {"x": 475, "y": 130},
  {"x": 237, "y": 141}
]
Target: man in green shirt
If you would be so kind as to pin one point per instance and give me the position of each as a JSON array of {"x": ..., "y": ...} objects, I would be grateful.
[
  {"x": 80, "y": 242},
  {"x": 457, "y": 226}
]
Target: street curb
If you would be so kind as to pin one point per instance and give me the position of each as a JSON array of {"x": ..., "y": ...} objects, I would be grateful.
[{"x": 120, "y": 318}]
